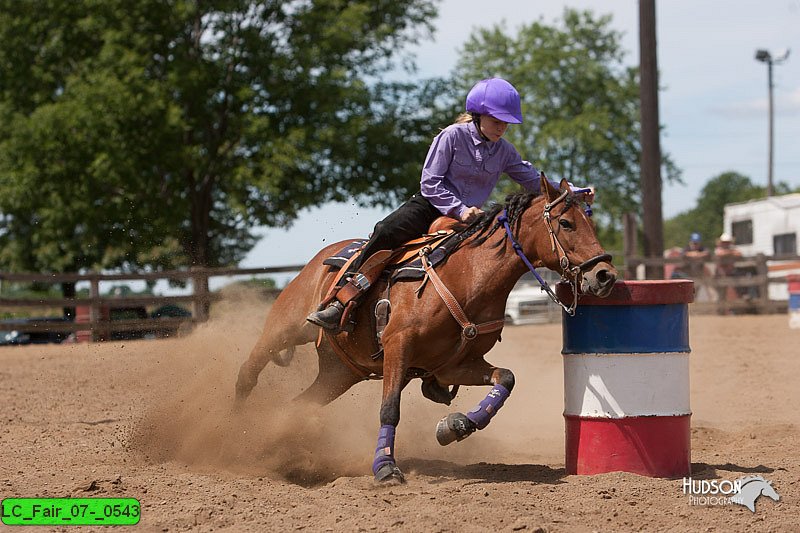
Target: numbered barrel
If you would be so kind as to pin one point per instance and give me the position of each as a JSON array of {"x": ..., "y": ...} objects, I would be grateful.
[
  {"x": 626, "y": 380},
  {"x": 794, "y": 300}
]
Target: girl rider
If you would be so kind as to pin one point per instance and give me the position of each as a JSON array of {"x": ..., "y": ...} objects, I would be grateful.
[{"x": 460, "y": 172}]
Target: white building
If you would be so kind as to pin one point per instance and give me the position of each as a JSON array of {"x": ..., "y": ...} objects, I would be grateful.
[{"x": 767, "y": 226}]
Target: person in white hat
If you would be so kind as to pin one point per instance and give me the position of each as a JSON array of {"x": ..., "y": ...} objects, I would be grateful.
[{"x": 725, "y": 256}]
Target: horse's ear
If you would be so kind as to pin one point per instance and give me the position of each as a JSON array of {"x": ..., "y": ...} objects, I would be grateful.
[
  {"x": 547, "y": 188},
  {"x": 564, "y": 185}
]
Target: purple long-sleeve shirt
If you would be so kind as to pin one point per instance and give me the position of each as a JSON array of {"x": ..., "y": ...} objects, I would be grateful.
[{"x": 462, "y": 168}]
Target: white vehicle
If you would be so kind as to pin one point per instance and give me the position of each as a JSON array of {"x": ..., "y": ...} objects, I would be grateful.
[
  {"x": 529, "y": 304},
  {"x": 768, "y": 226}
]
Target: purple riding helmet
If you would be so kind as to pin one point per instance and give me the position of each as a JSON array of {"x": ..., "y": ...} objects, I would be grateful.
[{"x": 497, "y": 98}]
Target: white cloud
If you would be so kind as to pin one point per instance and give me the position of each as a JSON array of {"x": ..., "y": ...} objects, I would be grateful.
[
  {"x": 792, "y": 101},
  {"x": 786, "y": 104}
]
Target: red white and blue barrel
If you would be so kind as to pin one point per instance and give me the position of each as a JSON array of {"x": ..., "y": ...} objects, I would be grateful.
[
  {"x": 626, "y": 380},
  {"x": 794, "y": 300}
]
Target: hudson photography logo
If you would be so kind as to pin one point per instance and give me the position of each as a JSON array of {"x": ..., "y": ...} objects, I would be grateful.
[{"x": 743, "y": 491}]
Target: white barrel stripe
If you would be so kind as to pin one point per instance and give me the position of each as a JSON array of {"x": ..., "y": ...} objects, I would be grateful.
[{"x": 619, "y": 386}]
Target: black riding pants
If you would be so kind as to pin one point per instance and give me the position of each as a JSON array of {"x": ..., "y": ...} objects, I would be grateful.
[{"x": 409, "y": 221}]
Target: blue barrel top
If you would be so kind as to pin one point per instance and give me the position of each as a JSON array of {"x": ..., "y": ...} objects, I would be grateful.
[{"x": 637, "y": 317}]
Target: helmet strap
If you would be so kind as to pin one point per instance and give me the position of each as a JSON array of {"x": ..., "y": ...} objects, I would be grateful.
[{"x": 476, "y": 118}]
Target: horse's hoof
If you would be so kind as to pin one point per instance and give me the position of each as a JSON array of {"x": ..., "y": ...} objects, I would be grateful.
[
  {"x": 454, "y": 427},
  {"x": 389, "y": 473},
  {"x": 284, "y": 357},
  {"x": 239, "y": 404}
]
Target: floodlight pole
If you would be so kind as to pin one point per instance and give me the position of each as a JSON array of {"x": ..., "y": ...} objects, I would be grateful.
[{"x": 766, "y": 57}]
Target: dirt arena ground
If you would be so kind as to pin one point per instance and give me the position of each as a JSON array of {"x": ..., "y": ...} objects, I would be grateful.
[{"x": 151, "y": 420}]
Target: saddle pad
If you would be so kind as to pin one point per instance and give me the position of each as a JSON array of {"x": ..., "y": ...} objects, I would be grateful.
[
  {"x": 340, "y": 258},
  {"x": 408, "y": 271},
  {"x": 413, "y": 270}
]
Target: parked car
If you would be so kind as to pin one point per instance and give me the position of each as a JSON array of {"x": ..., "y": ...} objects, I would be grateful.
[
  {"x": 529, "y": 304},
  {"x": 140, "y": 313},
  {"x": 18, "y": 331}
]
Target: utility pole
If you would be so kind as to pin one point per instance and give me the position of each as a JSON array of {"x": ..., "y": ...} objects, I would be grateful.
[
  {"x": 766, "y": 57},
  {"x": 652, "y": 218}
]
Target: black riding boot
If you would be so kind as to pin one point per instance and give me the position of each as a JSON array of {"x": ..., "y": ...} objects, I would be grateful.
[{"x": 329, "y": 317}]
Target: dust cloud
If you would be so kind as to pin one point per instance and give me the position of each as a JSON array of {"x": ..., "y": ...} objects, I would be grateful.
[{"x": 192, "y": 419}]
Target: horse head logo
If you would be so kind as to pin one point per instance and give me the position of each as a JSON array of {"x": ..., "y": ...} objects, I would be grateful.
[{"x": 752, "y": 488}]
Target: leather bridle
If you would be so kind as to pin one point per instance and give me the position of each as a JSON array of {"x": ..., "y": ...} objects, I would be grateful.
[{"x": 570, "y": 272}]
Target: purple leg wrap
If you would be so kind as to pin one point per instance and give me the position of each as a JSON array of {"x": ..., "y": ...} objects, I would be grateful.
[
  {"x": 483, "y": 413},
  {"x": 384, "y": 453}
]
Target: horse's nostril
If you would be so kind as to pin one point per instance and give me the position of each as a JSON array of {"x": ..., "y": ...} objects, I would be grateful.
[{"x": 604, "y": 277}]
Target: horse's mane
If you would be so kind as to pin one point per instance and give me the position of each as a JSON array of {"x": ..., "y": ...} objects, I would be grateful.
[{"x": 485, "y": 225}]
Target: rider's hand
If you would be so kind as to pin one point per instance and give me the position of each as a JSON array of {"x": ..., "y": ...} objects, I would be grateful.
[
  {"x": 584, "y": 194},
  {"x": 470, "y": 213}
]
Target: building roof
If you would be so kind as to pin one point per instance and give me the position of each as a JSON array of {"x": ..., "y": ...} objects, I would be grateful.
[{"x": 786, "y": 201}]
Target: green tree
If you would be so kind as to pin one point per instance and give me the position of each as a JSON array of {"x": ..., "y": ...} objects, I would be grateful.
[
  {"x": 157, "y": 134},
  {"x": 580, "y": 103},
  {"x": 707, "y": 216}
]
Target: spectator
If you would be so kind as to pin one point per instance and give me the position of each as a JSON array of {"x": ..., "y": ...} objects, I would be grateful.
[
  {"x": 694, "y": 255},
  {"x": 695, "y": 248},
  {"x": 725, "y": 256}
]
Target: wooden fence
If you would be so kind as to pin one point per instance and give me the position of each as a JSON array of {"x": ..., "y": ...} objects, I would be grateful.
[
  {"x": 745, "y": 290},
  {"x": 97, "y": 322}
]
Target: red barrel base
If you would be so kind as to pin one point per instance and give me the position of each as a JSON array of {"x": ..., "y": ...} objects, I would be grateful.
[{"x": 655, "y": 446}]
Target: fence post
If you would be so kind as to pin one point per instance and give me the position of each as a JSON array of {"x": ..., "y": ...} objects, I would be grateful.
[
  {"x": 201, "y": 303},
  {"x": 763, "y": 291},
  {"x": 629, "y": 231},
  {"x": 95, "y": 314}
]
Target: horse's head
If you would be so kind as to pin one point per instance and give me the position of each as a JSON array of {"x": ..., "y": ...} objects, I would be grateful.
[{"x": 571, "y": 246}]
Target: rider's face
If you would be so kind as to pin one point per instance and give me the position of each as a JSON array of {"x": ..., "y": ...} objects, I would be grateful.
[{"x": 493, "y": 129}]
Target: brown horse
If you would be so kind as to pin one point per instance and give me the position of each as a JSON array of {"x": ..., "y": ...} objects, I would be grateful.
[{"x": 441, "y": 331}]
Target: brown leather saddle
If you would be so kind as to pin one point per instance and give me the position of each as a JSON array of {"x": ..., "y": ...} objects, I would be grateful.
[{"x": 397, "y": 264}]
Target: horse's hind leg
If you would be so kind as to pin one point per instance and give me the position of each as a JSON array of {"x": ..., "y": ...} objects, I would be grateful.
[
  {"x": 333, "y": 379},
  {"x": 276, "y": 344},
  {"x": 457, "y": 426}
]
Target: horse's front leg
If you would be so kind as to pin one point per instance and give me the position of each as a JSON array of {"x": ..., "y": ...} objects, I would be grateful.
[
  {"x": 458, "y": 426},
  {"x": 384, "y": 466}
]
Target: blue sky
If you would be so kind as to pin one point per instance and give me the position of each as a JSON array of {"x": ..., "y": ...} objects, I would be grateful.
[{"x": 713, "y": 102}]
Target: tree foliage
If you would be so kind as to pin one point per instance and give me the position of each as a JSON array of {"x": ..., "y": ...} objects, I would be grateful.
[
  {"x": 158, "y": 134},
  {"x": 580, "y": 103},
  {"x": 707, "y": 216}
]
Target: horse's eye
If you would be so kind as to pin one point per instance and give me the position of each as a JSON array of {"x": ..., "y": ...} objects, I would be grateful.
[{"x": 566, "y": 224}]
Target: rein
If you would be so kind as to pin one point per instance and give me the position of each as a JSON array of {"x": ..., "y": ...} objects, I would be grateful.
[{"x": 470, "y": 330}]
